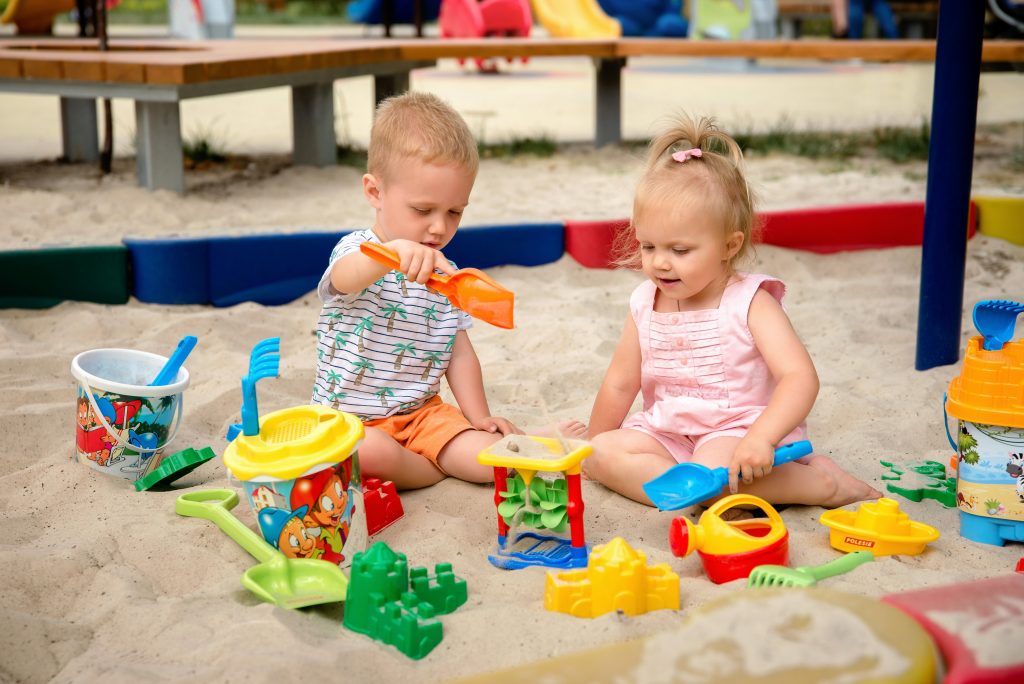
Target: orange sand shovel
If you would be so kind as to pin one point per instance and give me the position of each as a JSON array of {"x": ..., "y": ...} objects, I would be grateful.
[{"x": 470, "y": 289}]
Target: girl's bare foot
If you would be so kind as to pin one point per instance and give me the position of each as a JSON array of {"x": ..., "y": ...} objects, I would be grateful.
[
  {"x": 848, "y": 488},
  {"x": 572, "y": 429}
]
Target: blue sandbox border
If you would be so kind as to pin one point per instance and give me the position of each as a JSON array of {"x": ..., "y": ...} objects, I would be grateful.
[{"x": 277, "y": 269}]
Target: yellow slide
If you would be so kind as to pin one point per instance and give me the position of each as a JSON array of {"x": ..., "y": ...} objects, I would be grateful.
[
  {"x": 34, "y": 17},
  {"x": 575, "y": 19}
]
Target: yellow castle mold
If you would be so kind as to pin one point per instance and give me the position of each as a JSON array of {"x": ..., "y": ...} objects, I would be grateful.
[{"x": 617, "y": 577}]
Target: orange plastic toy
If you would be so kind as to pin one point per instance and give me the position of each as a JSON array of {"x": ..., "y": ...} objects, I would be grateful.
[
  {"x": 470, "y": 289},
  {"x": 731, "y": 549}
]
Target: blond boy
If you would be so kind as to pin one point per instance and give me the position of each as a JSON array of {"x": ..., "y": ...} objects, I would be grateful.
[{"x": 386, "y": 340}]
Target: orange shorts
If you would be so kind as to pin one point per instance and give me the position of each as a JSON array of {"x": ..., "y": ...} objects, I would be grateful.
[{"x": 425, "y": 431}]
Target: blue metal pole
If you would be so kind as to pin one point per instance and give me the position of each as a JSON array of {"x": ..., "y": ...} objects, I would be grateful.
[{"x": 948, "y": 198}]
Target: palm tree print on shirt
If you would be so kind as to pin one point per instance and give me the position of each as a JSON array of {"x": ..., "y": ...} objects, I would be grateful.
[
  {"x": 392, "y": 310},
  {"x": 402, "y": 350},
  {"x": 363, "y": 366},
  {"x": 430, "y": 314},
  {"x": 334, "y": 319},
  {"x": 339, "y": 342},
  {"x": 332, "y": 380},
  {"x": 383, "y": 393},
  {"x": 433, "y": 359},
  {"x": 400, "y": 279},
  {"x": 364, "y": 324},
  {"x": 335, "y": 398},
  {"x": 451, "y": 344}
]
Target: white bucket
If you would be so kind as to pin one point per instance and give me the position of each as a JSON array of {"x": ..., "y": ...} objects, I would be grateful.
[{"x": 123, "y": 425}]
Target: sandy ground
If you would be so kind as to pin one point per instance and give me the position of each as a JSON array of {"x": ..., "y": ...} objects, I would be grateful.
[{"x": 105, "y": 583}]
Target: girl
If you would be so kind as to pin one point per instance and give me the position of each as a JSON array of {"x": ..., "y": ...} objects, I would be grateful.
[{"x": 724, "y": 377}]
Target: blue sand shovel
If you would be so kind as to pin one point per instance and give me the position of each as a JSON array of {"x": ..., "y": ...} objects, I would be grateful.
[
  {"x": 169, "y": 372},
  {"x": 687, "y": 484}
]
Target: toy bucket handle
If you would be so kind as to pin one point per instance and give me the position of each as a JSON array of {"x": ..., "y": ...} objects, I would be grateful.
[
  {"x": 945, "y": 424},
  {"x": 733, "y": 500},
  {"x": 120, "y": 440}
]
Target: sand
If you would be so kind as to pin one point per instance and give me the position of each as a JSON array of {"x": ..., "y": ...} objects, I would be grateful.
[{"x": 101, "y": 582}]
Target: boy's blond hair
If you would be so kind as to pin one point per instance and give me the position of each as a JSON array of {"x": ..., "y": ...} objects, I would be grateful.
[
  {"x": 714, "y": 178},
  {"x": 419, "y": 126}
]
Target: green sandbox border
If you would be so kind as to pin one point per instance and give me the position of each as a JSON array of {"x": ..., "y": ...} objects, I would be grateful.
[{"x": 41, "y": 278}]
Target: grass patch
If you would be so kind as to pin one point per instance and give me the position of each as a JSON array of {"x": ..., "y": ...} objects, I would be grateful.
[
  {"x": 351, "y": 156},
  {"x": 534, "y": 147},
  {"x": 202, "y": 150},
  {"x": 892, "y": 143}
]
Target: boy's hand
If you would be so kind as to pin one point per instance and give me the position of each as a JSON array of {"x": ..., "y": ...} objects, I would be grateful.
[
  {"x": 496, "y": 424},
  {"x": 418, "y": 261},
  {"x": 753, "y": 458}
]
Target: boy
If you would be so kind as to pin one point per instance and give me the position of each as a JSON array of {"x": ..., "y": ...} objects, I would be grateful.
[{"x": 385, "y": 338}]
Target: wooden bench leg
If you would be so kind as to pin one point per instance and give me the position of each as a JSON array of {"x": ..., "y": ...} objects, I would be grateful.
[
  {"x": 608, "y": 77},
  {"x": 160, "y": 162},
  {"x": 78, "y": 129},
  {"x": 313, "y": 141},
  {"x": 386, "y": 85}
]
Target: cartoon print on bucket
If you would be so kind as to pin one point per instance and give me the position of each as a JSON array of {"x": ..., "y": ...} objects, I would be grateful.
[
  {"x": 122, "y": 424},
  {"x": 991, "y": 470},
  {"x": 324, "y": 502}
]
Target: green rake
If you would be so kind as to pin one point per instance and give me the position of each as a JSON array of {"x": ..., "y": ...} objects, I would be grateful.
[{"x": 781, "y": 576}]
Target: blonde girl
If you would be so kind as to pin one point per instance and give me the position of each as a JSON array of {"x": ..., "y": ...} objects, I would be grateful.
[{"x": 723, "y": 375}]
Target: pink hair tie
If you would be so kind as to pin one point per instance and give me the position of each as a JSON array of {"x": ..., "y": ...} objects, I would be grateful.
[{"x": 686, "y": 155}]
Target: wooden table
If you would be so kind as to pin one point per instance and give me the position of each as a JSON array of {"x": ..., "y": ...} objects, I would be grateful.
[{"x": 159, "y": 74}]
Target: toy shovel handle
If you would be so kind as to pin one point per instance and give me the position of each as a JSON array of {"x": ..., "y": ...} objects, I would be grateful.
[
  {"x": 387, "y": 257},
  {"x": 215, "y": 505},
  {"x": 792, "y": 451},
  {"x": 839, "y": 565}
]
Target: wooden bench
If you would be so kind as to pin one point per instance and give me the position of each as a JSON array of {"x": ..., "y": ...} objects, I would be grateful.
[
  {"x": 159, "y": 74},
  {"x": 917, "y": 18}
]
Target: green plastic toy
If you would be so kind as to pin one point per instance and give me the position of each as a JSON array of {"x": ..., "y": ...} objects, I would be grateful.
[
  {"x": 934, "y": 486},
  {"x": 288, "y": 582},
  {"x": 381, "y": 605},
  {"x": 173, "y": 467}
]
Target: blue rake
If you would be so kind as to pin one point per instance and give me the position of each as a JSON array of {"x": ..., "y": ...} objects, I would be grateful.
[
  {"x": 996, "y": 319},
  {"x": 264, "y": 362}
]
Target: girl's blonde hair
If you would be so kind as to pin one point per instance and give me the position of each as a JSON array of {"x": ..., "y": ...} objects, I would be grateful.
[
  {"x": 715, "y": 178},
  {"x": 419, "y": 126}
]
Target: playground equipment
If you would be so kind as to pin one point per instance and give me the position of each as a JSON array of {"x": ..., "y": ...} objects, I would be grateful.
[
  {"x": 730, "y": 549},
  {"x": 489, "y": 18},
  {"x": 575, "y": 19},
  {"x": 388, "y": 12},
  {"x": 649, "y": 18},
  {"x": 35, "y": 17},
  {"x": 616, "y": 578},
  {"x": 987, "y": 399},
  {"x": 879, "y": 527},
  {"x": 391, "y": 603},
  {"x": 522, "y": 496}
]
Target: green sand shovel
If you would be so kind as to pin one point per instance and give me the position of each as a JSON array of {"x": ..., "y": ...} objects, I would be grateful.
[{"x": 288, "y": 582}]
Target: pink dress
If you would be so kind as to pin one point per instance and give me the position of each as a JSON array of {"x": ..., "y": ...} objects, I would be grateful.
[{"x": 702, "y": 376}]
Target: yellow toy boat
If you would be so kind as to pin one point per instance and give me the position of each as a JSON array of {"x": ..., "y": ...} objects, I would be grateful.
[{"x": 879, "y": 527}]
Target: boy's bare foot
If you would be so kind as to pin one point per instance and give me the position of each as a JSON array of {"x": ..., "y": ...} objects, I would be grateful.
[{"x": 848, "y": 488}]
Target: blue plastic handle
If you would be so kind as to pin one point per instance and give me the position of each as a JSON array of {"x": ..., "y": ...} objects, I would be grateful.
[{"x": 169, "y": 372}]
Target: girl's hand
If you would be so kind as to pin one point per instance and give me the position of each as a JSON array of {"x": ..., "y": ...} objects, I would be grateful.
[
  {"x": 418, "y": 261},
  {"x": 496, "y": 424},
  {"x": 753, "y": 458}
]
